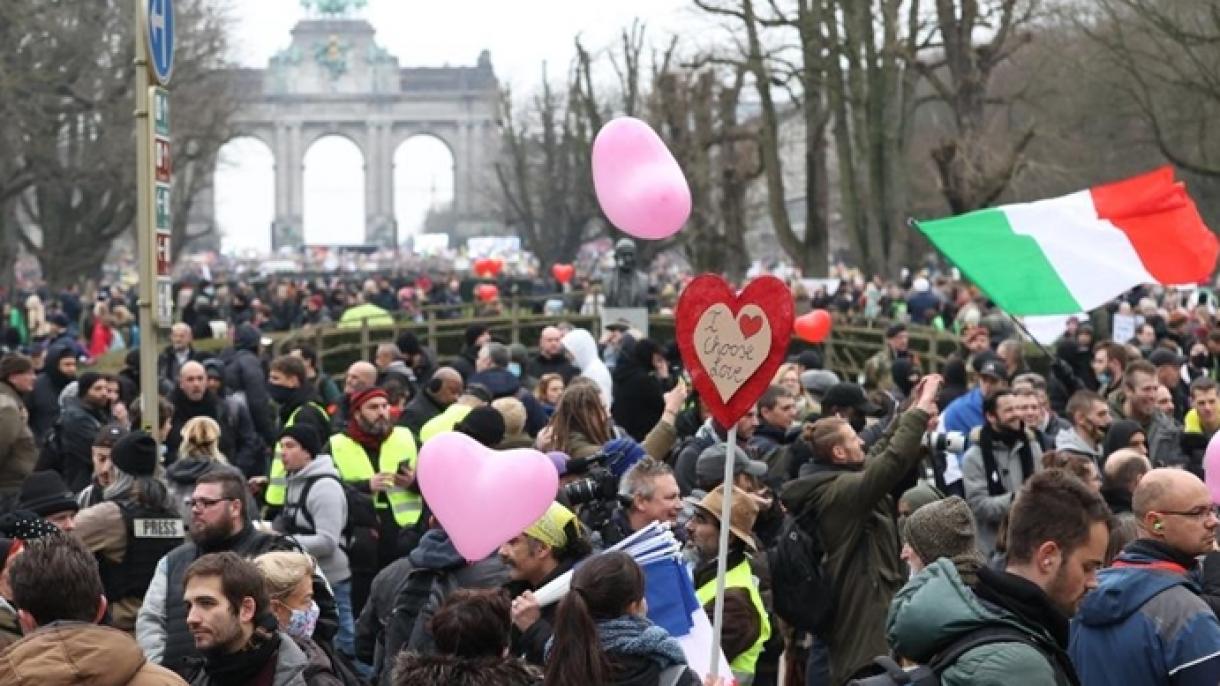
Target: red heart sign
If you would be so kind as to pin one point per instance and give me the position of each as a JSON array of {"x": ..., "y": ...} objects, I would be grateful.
[{"x": 732, "y": 343}]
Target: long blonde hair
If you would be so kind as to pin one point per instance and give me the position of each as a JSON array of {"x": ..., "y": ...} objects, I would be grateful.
[{"x": 201, "y": 439}]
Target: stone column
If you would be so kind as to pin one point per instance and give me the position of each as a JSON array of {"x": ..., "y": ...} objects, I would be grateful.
[
  {"x": 461, "y": 170},
  {"x": 284, "y": 230}
]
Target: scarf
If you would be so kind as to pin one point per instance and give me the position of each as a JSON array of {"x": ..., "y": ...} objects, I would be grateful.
[
  {"x": 636, "y": 636},
  {"x": 370, "y": 443},
  {"x": 1033, "y": 609},
  {"x": 987, "y": 440},
  {"x": 247, "y": 663}
]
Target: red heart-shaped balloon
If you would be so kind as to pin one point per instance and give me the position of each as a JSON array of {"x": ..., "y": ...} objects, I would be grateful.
[
  {"x": 732, "y": 343},
  {"x": 486, "y": 292},
  {"x": 813, "y": 326},
  {"x": 563, "y": 273}
]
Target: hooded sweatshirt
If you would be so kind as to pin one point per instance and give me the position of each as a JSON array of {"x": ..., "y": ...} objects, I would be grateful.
[
  {"x": 79, "y": 653},
  {"x": 584, "y": 352},
  {"x": 327, "y": 504},
  {"x": 1146, "y": 623}
]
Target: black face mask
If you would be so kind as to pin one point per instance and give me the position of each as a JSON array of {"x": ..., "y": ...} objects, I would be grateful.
[
  {"x": 280, "y": 394},
  {"x": 1198, "y": 360}
]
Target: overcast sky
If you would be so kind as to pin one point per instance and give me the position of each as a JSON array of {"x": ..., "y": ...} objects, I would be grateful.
[{"x": 520, "y": 35}]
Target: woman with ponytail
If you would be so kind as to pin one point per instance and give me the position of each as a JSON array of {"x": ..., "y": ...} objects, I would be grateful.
[{"x": 601, "y": 635}]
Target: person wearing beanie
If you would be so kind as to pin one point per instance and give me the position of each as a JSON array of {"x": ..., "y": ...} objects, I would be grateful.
[
  {"x": 877, "y": 374},
  {"x": 373, "y": 456},
  {"x": 136, "y": 524},
  {"x": 288, "y": 385},
  {"x": 315, "y": 514},
  {"x": 44, "y": 494},
  {"x": 483, "y": 424},
  {"x": 942, "y": 528},
  {"x": 58, "y": 370},
  {"x": 477, "y": 335},
  {"x": 18, "y": 451},
  {"x": 71, "y": 445}
]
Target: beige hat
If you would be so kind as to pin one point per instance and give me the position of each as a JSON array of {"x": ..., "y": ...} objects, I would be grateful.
[{"x": 745, "y": 511}]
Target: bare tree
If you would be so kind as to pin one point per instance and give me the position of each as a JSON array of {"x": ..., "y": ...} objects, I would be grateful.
[
  {"x": 1166, "y": 60},
  {"x": 975, "y": 164}
]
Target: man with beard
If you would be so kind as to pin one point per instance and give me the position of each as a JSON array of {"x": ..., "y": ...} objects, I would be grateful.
[
  {"x": 360, "y": 376},
  {"x": 1090, "y": 417},
  {"x": 1016, "y": 619},
  {"x": 378, "y": 458},
  {"x": 994, "y": 468},
  {"x": 437, "y": 394},
  {"x": 545, "y": 551},
  {"x": 71, "y": 451},
  {"x": 1147, "y": 623},
  {"x": 58, "y": 370},
  {"x": 234, "y": 629},
  {"x": 298, "y": 401},
  {"x": 18, "y": 452},
  {"x": 848, "y": 499},
  {"x": 220, "y": 521},
  {"x": 747, "y": 626},
  {"x": 192, "y": 398}
]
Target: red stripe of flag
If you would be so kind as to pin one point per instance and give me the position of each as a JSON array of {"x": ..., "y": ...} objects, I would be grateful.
[{"x": 1162, "y": 223}]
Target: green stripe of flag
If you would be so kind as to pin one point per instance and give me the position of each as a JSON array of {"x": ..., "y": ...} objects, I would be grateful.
[{"x": 1011, "y": 269}]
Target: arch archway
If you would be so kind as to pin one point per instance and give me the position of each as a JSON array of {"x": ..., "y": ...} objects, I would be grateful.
[
  {"x": 424, "y": 178},
  {"x": 334, "y": 192},
  {"x": 244, "y": 195}
]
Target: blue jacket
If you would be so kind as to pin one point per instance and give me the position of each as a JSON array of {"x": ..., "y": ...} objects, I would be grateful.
[
  {"x": 1145, "y": 624},
  {"x": 966, "y": 413}
]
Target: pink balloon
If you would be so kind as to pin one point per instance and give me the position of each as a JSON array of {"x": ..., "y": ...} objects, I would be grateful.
[
  {"x": 1211, "y": 467},
  {"x": 639, "y": 184},
  {"x": 484, "y": 497}
]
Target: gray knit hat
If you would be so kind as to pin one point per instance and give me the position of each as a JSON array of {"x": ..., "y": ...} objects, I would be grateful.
[{"x": 944, "y": 528}]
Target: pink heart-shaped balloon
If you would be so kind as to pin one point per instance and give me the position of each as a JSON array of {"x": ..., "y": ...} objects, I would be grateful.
[
  {"x": 484, "y": 497},
  {"x": 638, "y": 182}
]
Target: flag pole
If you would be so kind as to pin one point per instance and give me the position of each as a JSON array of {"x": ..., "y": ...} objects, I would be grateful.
[
  {"x": 722, "y": 560},
  {"x": 1030, "y": 336}
]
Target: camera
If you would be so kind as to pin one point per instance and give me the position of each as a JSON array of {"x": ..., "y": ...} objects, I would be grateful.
[
  {"x": 599, "y": 485},
  {"x": 944, "y": 441}
]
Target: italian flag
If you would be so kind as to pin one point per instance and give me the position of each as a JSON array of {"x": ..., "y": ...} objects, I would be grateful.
[{"x": 1075, "y": 253}]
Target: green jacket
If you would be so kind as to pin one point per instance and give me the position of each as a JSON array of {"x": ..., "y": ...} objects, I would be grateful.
[
  {"x": 855, "y": 518},
  {"x": 936, "y": 607}
]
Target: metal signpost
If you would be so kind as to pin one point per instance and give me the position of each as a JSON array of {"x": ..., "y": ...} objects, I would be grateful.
[{"x": 155, "y": 62}]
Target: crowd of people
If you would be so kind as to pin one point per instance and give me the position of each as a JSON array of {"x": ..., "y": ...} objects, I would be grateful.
[{"x": 981, "y": 522}]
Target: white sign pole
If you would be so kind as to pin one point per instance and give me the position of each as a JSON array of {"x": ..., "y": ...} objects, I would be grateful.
[{"x": 722, "y": 560}]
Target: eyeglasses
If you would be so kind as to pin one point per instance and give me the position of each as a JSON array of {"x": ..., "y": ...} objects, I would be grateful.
[
  {"x": 204, "y": 503},
  {"x": 1200, "y": 512}
]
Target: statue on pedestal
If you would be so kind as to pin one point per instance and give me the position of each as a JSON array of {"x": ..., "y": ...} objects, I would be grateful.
[{"x": 626, "y": 287}]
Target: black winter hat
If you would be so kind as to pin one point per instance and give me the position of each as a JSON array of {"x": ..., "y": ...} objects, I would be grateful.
[
  {"x": 473, "y": 332},
  {"x": 44, "y": 493},
  {"x": 135, "y": 454},
  {"x": 483, "y": 424},
  {"x": 85, "y": 382},
  {"x": 306, "y": 436},
  {"x": 26, "y": 526}
]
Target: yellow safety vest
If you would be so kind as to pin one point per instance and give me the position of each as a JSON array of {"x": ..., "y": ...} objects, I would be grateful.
[
  {"x": 443, "y": 422},
  {"x": 741, "y": 577},
  {"x": 354, "y": 466},
  {"x": 277, "y": 482}
]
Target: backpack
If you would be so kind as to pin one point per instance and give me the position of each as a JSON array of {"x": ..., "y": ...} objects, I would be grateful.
[
  {"x": 360, "y": 511},
  {"x": 929, "y": 674},
  {"x": 803, "y": 592}
]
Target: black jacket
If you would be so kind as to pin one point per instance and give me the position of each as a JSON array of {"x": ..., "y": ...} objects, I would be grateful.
[
  {"x": 531, "y": 644},
  {"x": 417, "y": 412},
  {"x": 43, "y": 402},
  {"x": 72, "y": 454},
  {"x": 244, "y": 373},
  {"x": 168, "y": 365},
  {"x": 540, "y": 364},
  {"x": 503, "y": 384},
  {"x": 638, "y": 395}
]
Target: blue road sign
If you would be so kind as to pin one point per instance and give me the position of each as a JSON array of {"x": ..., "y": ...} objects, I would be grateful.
[{"x": 160, "y": 27}]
